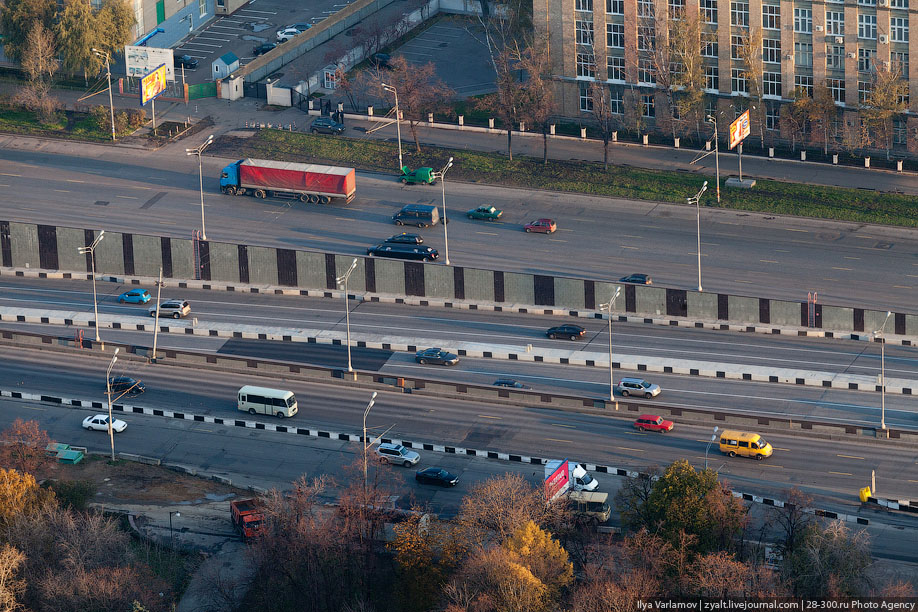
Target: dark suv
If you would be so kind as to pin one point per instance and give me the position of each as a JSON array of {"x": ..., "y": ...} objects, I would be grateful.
[
  {"x": 185, "y": 61},
  {"x": 326, "y": 125},
  {"x": 121, "y": 384}
]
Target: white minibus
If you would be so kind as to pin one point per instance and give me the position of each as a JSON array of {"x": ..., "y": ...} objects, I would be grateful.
[{"x": 260, "y": 400}]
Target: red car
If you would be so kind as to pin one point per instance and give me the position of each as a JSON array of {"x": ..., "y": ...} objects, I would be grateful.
[
  {"x": 542, "y": 226},
  {"x": 649, "y": 422}
]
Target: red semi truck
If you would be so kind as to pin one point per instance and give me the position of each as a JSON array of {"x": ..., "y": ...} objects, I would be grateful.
[
  {"x": 247, "y": 517},
  {"x": 311, "y": 183}
]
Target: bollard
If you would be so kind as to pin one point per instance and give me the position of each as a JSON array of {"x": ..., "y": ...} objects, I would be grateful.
[
  {"x": 369, "y": 111},
  {"x": 341, "y": 107},
  {"x": 522, "y": 126},
  {"x": 615, "y": 136},
  {"x": 490, "y": 123},
  {"x": 310, "y": 105},
  {"x": 835, "y": 159},
  {"x": 802, "y": 155},
  {"x": 461, "y": 120},
  {"x": 866, "y": 162},
  {"x": 646, "y": 139},
  {"x": 771, "y": 151},
  {"x": 551, "y": 129},
  {"x": 898, "y": 165},
  {"x": 583, "y": 133},
  {"x": 429, "y": 117},
  {"x": 676, "y": 142}
]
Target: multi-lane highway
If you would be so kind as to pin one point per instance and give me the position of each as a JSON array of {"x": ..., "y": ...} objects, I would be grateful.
[{"x": 138, "y": 191}]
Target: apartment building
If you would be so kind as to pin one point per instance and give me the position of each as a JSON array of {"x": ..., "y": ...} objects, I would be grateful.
[{"x": 804, "y": 42}]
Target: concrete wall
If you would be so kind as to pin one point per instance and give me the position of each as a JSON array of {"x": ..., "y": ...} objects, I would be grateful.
[{"x": 27, "y": 245}]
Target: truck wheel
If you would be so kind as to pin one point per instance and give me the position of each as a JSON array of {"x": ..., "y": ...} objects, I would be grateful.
[
  {"x": 229, "y": 190},
  {"x": 240, "y": 191},
  {"x": 399, "y": 223},
  {"x": 324, "y": 200},
  {"x": 252, "y": 411},
  {"x": 422, "y": 225},
  {"x": 260, "y": 193},
  {"x": 313, "y": 198},
  {"x": 732, "y": 453},
  {"x": 304, "y": 197},
  {"x": 404, "y": 181},
  {"x": 280, "y": 415}
]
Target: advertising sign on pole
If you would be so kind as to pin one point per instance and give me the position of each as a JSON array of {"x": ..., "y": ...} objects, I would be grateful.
[
  {"x": 138, "y": 61},
  {"x": 739, "y": 129},
  {"x": 152, "y": 84}
]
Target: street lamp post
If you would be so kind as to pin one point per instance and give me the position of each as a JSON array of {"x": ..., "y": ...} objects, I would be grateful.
[
  {"x": 159, "y": 289},
  {"x": 448, "y": 165},
  {"x": 608, "y": 306},
  {"x": 171, "y": 536},
  {"x": 696, "y": 200},
  {"x": 108, "y": 393},
  {"x": 708, "y": 447},
  {"x": 398, "y": 124},
  {"x": 881, "y": 334},
  {"x": 713, "y": 119},
  {"x": 366, "y": 443},
  {"x": 342, "y": 281},
  {"x": 199, "y": 151},
  {"x": 91, "y": 249},
  {"x": 108, "y": 73}
]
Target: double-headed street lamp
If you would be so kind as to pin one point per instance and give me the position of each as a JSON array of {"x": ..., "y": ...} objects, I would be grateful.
[
  {"x": 108, "y": 73},
  {"x": 366, "y": 443},
  {"x": 91, "y": 249},
  {"x": 880, "y": 334},
  {"x": 713, "y": 119},
  {"x": 198, "y": 151},
  {"x": 442, "y": 177},
  {"x": 708, "y": 447},
  {"x": 108, "y": 393},
  {"x": 696, "y": 200},
  {"x": 609, "y": 306},
  {"x": 342, "y": 282},
  {"x": 171, "y": 537},
  {"x": 398, "y": 124}
]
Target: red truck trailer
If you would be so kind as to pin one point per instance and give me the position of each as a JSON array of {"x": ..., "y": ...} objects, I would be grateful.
[
  {"x": 247, "y": 517},
  {"x": 312, "y": 183}
]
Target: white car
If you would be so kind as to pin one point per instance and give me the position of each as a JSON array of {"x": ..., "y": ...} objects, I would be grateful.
[
  {"x": 286, "y": 34},
  {"x": 99, "y": 422},
  {"x": 396, "y": 453}
]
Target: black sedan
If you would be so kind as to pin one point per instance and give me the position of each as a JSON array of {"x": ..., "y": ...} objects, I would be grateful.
[
  {"x": 637, "y": 279},
  {"x": 509, "y": 382},
  {"x": 326, "y": 125},
  {"x": 572, "y": 332},
  {"x": 185, "y": 61},
  {"x": 436, "y": 356},
  {"x": 405, "y": 238},
  {"x": 122, "y": 384},
  {"x": 437, "y": 476},
  {"x": 263, "y": 48}
]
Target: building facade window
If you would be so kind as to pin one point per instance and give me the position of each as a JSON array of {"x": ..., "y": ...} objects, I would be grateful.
[
  {"x": 771, "y": 50},
  {"x": 647, "y": 38},
  {"x": 772, "y": 116},
  {"x": 739, "y": 14},
  {"x": 900, "y": 132},
  {"x": 645, "y": 8},
  {"x": 709, "y": 44},
  {"x": 646, "y": 72},
  {"x": 837, "y": 87},
  {"x": 899, "y": 4},
  {"x": 736, "y": 47},
  {"x": 898, "y": 29},
  {"x": 866, "y": 58},
  {"x": 804, "y": 82},
  {"x": 709, "y": 11},
  {"x": 835, "y": 23},
  {"x": 738, "y": 81},
  {"x": 615, "y": 35},
  {"x": 615, "y": 7},
  {"x": 771, "y": 84},
  {"x": 867, "y": 2},
  {"x": 616, "y": 101},
  {"x": 616, "y": 66},
  {"x": 835, "y": 57},
  {"x": 586, "y": 98},
  {"x": 584, "y": 5},
  {"x": 711, "y": 78},
  {"x": 648, "y": 109},
  {"x": 676, "y": 9},
  {"x": 803, "y": 20},
  {"x": 584, "y": 31},
  {"x": 771, "y": 16},
  {"x": 202, "y": 8},
  {"x": 867, "y": 27},
  {"x": 863, "y": 91},
  {"x": 585, "y": 65},
  {"x": 803, "y": 54},
  {"x": 899, "y": 63}
]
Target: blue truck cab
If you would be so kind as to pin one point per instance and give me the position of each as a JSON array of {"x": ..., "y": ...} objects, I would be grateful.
[{"x": 229, "y": 177}]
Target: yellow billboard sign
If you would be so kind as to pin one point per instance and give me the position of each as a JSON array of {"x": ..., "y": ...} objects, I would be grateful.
[{"x": 152, "y": 84}]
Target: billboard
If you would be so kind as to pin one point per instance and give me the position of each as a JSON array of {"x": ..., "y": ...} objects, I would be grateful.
[
  {"x": 739, "y": 129},
  {"x": 141, "y": 60},
  {"x": 153, "y": 84}
]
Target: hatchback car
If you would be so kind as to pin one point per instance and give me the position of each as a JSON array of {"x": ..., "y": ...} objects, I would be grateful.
[
  {"x": 405, "y": 238},
  {"x": 135, "y": 296},
  {"x": 541, "y": 226},
  {"x": 99, "y": 422},
  {"x": 488, "y": 213},
  {"x": 122, "y": 384},
  {"x": 263, "y": 48},
  {"x": 286, "y": 34},
  {"x": 650, "y": 422},
  {"x": 571, "y": 332},
  {"x": 404, "y": 251},
  {"x": 172, "y": 308},
  {"x": 326, "y": 125},
  {"x": 396, "y": 453},
  {"x": 638, "y": 386},
  {"x": 185, "y": 61},
  {"x": 437, "y": 476},
  {"x": 637, "y": 279},
  {"x": 509, "y": 382},
  {"x": 436, "y": 356}
]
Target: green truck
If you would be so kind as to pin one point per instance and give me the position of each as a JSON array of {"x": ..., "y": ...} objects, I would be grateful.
[{"x": 425, "y": 175}]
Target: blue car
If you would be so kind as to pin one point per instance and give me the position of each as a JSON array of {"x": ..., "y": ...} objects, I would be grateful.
[{"x": 135, "y": 296}]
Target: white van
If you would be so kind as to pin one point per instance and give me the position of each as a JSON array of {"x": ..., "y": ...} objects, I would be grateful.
[{"x": 260, "y": 400}]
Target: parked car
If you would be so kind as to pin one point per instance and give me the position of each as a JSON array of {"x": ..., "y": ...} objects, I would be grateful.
[
  {"x": 134, "y": 296},
  {"x": 99, "y": 422},
  {"x": 404, "y": 251},
  {"x": 396, "y": 453},
  {"x": 650, "y": 422},
  {"x": 541, "y": 226},
  {"x": 405, "y": 238},
  {"x": 437, "y": 476},
  {"x": 488, "y": 213},
  {"x": 263, "y": 48},
  {"x": 509, "y": 382},
  {"x": 172, "y": 308},
  {"x": 436, "y": 356},
  {"x": 637, "y": 279},
  {"x": 302, "y": 27},
  {"x": 381, "y": 60},
  {"x": 570, "y": 331},
  {"x": 326, "y": 125},
  {"x": 122, "y": 384},
  {"x": 185, "y": 61},
  {"x": 638, "y": 386},
  {"x": 286, "y": 34}
]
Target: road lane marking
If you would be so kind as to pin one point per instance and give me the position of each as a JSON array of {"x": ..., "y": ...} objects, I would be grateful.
[
  {"x": 8, "y": 174},
  {"x": 901, "y": 287},
  {"x": 636, "y": 450},
  {"x": 790, "y": 229},
  {"x": 849, "y": 456},
  {"x": 62, "y": 190},
  {"x": 628, "y": 247},
  {"x": 487, "y": 233},
  {"x": 913, "y": 481},
  {"x": 488, "y": 416},
  {"x": 35, "y": 408},
  {"x": 631, "y": 236},
  {"x": 838, "y": 268},
  {"x": 127, "y": 197},
  {"x": 744, "y": 281},
  {"x": 771, "y": 465},
  {"x": 847, "y": 257},
  {"x": 782, "y": 251},
  {"x": 564, "y": 425},
  {"x": 842, "y": 473},
  {"x": 556, "y": 240},
  {"x": 557, "y": 440},
  {"x": 768, "y": 261},
  {"x": 781, "y": 449},
  {"x": 75, "y": 181}
]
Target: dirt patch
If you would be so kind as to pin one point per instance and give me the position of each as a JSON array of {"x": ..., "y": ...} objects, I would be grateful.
[{"x": 138, "y": 483}]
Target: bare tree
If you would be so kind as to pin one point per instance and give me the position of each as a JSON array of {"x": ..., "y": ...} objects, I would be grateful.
[
  {"x": 22, "y": 445},
  {"x": 603, "y": 113},
  {"x": 508, "y": 102},
  {"x": 822, "y": 112},
  {"x": 717, "y": 574},
  {"x": 830, "y": 562},
  {"x": 795, "y": 117},
  {"x": 12, "y": 586},
  {"x": 750, "y": 52},
  {"x": 688, "y": 76},
  {"x": 631, "y": 499},
  {"x": 884, "y": 104},
  {"x": 538, "y": 93},
  {"x": 793, "y": 520}
]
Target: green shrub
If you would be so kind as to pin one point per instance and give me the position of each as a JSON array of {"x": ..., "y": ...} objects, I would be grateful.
[
  {"x": 75, "y": 494},
  {"x": 136, "y": 118},
  {"x": 101, "y": 115}
]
